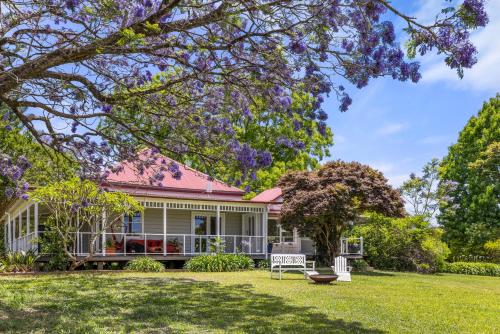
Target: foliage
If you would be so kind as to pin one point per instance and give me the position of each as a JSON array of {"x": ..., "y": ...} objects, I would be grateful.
[
  {"x": 80, "y": 205},
  {"x": 248, "y": 302},
  {"x": 403, "y": 244},
  {"x": 197, "y": 68},
  {"x": 145, "y": 264},
  {"x": 472, "y": 268},
  {"x": 52, "y": 245},
  {"x": 470, "y": 211},
  {"x": 27, "y": 160},
  {"x": 492, "y": 248},
  {"x": 360, "y": 265},
  {"x": 421, "y": 192},
  {"x": 23, "y": 261},
  {"x": 322, "y": 203},
  {"x": 219, "y": 263},
  {"x": 295, "y": 143}
]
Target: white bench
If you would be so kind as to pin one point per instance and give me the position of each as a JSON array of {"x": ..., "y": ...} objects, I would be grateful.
[{"x": 291, "y": 262}]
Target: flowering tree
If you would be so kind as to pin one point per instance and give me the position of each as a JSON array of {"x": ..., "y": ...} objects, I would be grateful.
[
  {"x": 81, "y": 206},
  {"x": 321, "y": 203},
  {"x": 193, "y": 67}
]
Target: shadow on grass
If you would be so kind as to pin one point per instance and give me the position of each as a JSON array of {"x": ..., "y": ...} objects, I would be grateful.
[{"x": 94, "y": 303}]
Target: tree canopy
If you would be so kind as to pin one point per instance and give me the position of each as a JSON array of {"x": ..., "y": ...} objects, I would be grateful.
[
  {"x": 470, "y": 177},
  {"x": 24, "y": 160},
  {"x": 322, "y": 203},
  {"x": 80, "y": 206},
  {"x": 421, "y": 192},
  {"x": 192, "y": 67}
]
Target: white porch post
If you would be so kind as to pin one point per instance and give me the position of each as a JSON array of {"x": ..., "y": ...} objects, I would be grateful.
[
  {"x": 264, "y": 230},
  {"x": 20, "y": 224},
  {"x": 164, "y": 228},
  {"x": 103, "y": 246},
  {"x": 217, "y": 226},
  {"x": 9, "y": 233},
  {"x": 28, "y": 220},
  {"x": 5, "y": 236},
  {"x": 218, "y": 222}
]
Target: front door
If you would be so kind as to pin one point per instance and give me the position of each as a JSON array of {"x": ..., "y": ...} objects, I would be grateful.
[
  {"x": 205, "y": 230},
  {"x": 252, "y": 233}
]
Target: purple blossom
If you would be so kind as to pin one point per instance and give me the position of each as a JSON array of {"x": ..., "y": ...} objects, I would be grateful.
[{"x": 298, "y": 46}]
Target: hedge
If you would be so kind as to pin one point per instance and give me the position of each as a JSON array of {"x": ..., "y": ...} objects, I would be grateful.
[
  {"x": 472, "y": 268},
  {"x": 220, "y": 263}
]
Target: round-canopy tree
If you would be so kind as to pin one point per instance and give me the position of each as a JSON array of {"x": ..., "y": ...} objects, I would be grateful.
[
  {"x": 323, "y": 202},
  {"x": 470, "y": 180},
  {"x": 191, "y": 66}
]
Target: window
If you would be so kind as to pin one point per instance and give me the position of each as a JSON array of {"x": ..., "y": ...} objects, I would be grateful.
[{"x": 132, "y": 223}]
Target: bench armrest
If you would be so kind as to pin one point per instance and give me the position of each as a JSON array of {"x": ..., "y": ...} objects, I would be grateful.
[{"x": 313, "y": 264}]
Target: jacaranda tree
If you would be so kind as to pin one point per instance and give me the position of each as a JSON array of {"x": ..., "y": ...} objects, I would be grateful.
[
  {"x": 321, "y": 204},
  {"x": 193, "y": 66}
]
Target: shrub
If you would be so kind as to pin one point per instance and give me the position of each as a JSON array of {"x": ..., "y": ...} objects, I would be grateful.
[
  {"x": 219, "y": 263},
  {"x": 492, "y": 248},
  {"x": 23, "y": 261},
  {"x": 403, "y": 244},
  {"x": 145, "y": 264},
  {"x": 52, "y": 245},
  {"x": 263, "y": 264},
  {"x": 360, "y": 265},
  {"x": 472, "y": 268}
]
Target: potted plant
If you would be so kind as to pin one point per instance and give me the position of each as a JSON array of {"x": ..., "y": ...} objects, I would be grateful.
[{"x": 110, "y": 248}]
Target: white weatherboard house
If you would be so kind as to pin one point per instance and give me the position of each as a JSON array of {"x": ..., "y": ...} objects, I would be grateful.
[{"x": 181, "y": 219}]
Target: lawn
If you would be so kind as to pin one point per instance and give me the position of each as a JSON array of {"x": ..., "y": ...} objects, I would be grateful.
[{"x": 248, "y": 302}]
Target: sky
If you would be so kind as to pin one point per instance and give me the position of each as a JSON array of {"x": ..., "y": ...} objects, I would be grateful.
[{"x": 396, "y": 127}]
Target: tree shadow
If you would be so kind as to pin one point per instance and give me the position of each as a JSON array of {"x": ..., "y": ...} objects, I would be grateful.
[{"x": 93, "y": 304}]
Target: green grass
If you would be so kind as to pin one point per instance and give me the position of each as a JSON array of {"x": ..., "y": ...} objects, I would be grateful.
[{"x": 248, "y": 302}]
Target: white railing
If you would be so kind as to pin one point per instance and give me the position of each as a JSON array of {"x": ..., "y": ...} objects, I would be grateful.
[
  {"x": 351, "y": 246},
  {"x": 124, "y": 244},
  {"x": 23, "y": 243}
]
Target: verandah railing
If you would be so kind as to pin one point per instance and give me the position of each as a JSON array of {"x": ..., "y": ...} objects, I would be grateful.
[{"x": 123, "y": 244}]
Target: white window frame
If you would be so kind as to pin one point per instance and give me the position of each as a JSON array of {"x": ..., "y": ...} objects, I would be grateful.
[{"x": 209, "y": 215}]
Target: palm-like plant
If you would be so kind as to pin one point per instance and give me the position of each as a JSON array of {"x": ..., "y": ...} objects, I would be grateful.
[{"x": 22, "y": 261}]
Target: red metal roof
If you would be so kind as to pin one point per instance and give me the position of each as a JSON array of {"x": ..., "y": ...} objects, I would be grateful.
[
  {"x": 269, "y": 195},
  {"x": 191, "y": 181}
]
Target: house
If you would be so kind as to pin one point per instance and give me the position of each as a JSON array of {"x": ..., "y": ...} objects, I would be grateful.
[{"x": 181, "y": 218}]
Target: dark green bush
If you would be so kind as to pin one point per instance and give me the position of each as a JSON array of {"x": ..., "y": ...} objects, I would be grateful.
[
  {"x": 360, "y": 265},
  {"x": 472, "y": 268},
  {"x": 402, "y": 244},
  {"x": 145, "y": 264},
  {"x": 219, "y": 263}
]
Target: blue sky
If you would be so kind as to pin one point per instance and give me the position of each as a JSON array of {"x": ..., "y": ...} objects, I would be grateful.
[{"x": 397, "y": 127}]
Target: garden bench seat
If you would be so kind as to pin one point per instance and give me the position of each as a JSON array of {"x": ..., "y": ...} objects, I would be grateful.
[{"x": 292, "y": 262}]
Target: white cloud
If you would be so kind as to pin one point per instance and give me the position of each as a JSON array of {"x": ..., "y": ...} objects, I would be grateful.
[
  {"x": 485, "y": 74},
  {"x": 391, "y": 128}
]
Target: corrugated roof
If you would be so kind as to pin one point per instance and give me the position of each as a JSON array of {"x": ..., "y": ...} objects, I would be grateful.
[
  {"x": 269, "y": 195},
  {"x": 191, "y": 180}
]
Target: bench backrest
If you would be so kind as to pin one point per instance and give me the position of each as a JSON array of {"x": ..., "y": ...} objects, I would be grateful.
[
  {"x": 288, "y": 260},
  {"x": 340, "y": 264}
]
